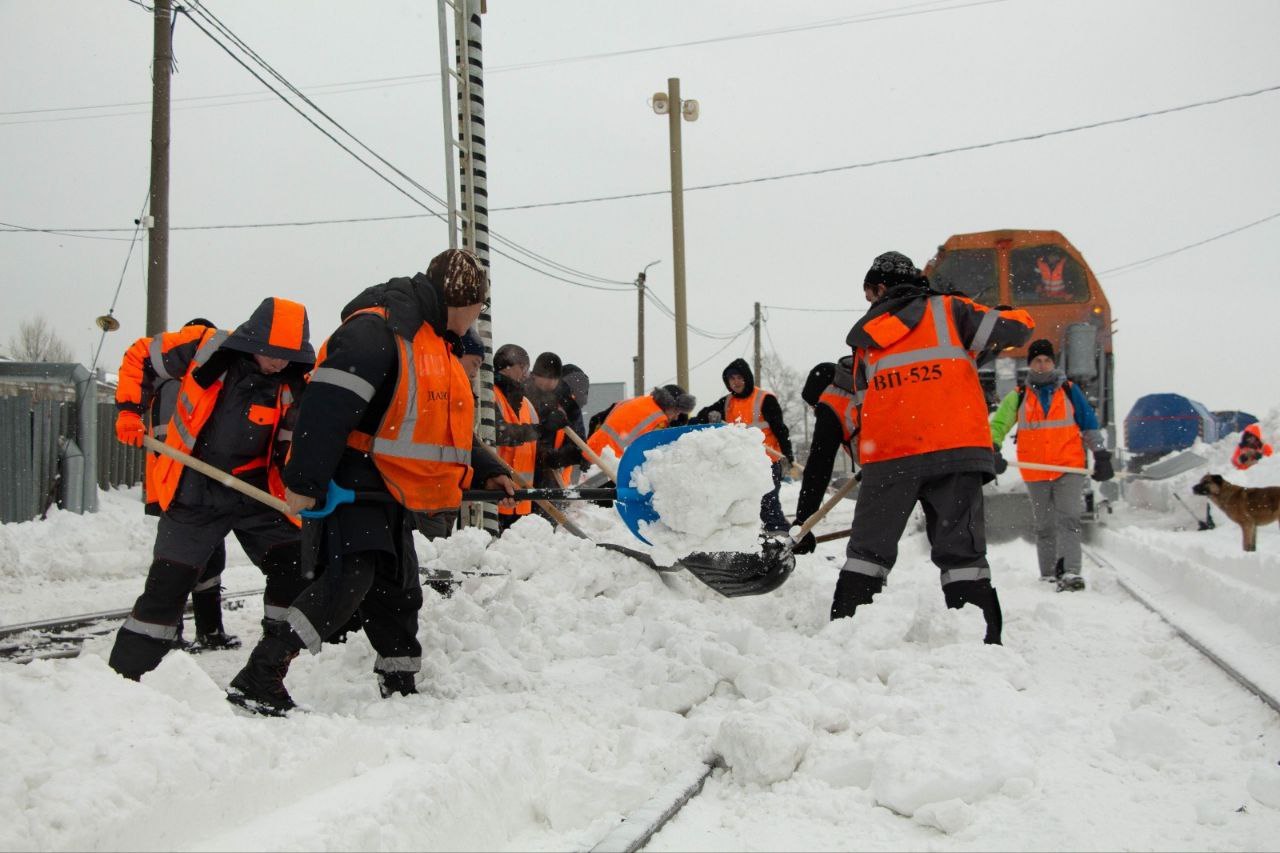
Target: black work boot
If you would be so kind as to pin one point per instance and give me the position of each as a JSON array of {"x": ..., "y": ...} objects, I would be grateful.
[
  {"x": 391, "y": 683},
  {"x": 213, "y": 641},
  {"x": 980, "y": 594},
  {"x": 259, "y": 687},
  {"x": 853, "y": 589}
]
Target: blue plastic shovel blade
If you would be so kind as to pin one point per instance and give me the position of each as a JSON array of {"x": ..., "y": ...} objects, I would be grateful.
[{"x": 633, "y": 507}]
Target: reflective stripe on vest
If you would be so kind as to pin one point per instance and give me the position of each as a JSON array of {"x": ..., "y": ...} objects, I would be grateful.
[
  {"x": 1048, "y": 438},
  {"x": 418, "y": 467},
  {"x": 621, "y": 440},
  {"x": 842, "y": 404},
  {"x": 404, "y": 447},
  {"x": 627, "y": 421},
  {"x": 922, "y": 393}
]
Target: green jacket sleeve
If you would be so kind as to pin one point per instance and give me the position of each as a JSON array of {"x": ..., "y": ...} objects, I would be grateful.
[{"x": 1005, "y": 418}]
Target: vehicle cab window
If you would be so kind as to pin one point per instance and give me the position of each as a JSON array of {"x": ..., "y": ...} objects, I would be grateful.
[
  {"x": 1044, "y": 275},
  {"x": 969, "y": 271}
]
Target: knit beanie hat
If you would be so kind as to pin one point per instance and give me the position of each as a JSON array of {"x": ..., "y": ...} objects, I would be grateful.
[
  {"x": 509, "y": 354},
  {"x": 459, "y": 274},
  {"x": 547, "y": 366},
  {"x": 893, "y": 268},
  {"x": 1041, "y": 346}
]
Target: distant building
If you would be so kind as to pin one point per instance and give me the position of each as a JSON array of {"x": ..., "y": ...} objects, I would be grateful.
[{"x": 601, "y": 396}]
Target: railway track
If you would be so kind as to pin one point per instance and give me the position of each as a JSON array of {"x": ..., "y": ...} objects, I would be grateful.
[
  {"x": 64, "y": 636},
  {"x": 1193, "y": 638}
]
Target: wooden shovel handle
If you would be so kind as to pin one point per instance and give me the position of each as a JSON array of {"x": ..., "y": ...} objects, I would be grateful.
[
  {"x": 228, "y": 480},
  {"x": 813, "y": 520},
  {"x": 546, "y": 506},
  {"x": 592, "y": 456}
]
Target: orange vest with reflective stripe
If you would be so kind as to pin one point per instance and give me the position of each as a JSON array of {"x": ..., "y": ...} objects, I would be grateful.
[
  {"x": 749, "y": 410},
  {"x": 565, "y": 474},
  {"x": 191, "y": 411},
  {"x": 629, "y": 420},
  {"x": 1049, "y": 438},
  {"x": 843, "y": 405},
  {"x": 522, "y": 457},
  {"x": 423, "y": 445},
  {"x": 922, "y": 392}
]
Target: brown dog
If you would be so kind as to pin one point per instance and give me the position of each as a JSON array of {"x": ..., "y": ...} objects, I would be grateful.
[{"x": 1246, "y": 507}]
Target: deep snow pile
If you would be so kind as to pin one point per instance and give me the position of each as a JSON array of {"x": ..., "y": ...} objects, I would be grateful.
[
  {"x": 706, "y": 488},
  {"x": 558, "y": 697}
]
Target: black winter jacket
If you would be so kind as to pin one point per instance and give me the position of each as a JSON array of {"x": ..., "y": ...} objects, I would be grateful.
[{"x": 364, "y": 348}]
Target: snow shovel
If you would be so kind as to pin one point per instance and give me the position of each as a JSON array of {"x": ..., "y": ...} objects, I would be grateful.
[
  {"x": 730, "y": 573},
  {"x": 226, "y": 479}
]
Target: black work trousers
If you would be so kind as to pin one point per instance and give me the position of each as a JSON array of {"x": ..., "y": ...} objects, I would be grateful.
[
  {"x": 186, "y": 540},
  {"x": 953, "y": 522}
]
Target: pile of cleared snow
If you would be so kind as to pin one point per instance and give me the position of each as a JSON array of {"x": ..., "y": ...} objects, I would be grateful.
[{"x": 706, "y": 488}]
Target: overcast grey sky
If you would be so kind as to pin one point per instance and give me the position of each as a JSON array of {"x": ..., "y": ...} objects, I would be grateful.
[{"x": 784, "y": 88}]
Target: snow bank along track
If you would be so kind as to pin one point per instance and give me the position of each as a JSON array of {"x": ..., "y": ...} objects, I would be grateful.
[{"x": 1217, "y": 605}]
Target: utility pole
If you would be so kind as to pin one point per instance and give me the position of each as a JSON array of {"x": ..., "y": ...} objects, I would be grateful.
[
  {"x": 639, "y": 359},
  {"x": 669, "y": 104},
  {"x": 756, "y": 323},
  {"x": 158, "y": 237}
]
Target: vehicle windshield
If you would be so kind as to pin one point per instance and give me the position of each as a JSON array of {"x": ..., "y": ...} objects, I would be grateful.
[
  {"x": 1045, "y": 275},
  {"x": 969, "y": 271}
]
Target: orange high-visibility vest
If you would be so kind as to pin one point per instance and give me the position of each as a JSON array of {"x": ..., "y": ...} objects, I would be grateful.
[
  {"x": 423, "y": 451},
  {"x": 842, "y": 403},
  {"x": 749, "y": 410},
  {"x": 1049, "y": 438},
  {"x": 521, "y": 457},
  {"x": 565, "y": 474},
  {"x": 629, "y": 420},
  {"x": 164, "y": 391},
  {"x": 192, "y": 409},
  {"x": 922, "y": 392}
]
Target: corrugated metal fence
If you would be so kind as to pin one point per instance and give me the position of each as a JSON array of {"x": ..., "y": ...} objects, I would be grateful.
[{"x": 34, "y": 435}]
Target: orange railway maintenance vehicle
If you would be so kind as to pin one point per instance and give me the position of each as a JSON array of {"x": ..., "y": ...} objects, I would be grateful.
[{"x": 1043, "y": 274}]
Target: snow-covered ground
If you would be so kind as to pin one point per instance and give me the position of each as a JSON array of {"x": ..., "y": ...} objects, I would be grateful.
[{"x": 560, "y": 698}]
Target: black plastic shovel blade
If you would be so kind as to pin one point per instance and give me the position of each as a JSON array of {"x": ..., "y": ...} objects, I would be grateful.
[{"x": 732, "y": 574}]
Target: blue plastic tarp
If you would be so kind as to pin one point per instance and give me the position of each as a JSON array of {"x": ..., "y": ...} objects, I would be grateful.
[
  {"x": 1231, "y": 421},
  {"x": 1162, "y": 423}
]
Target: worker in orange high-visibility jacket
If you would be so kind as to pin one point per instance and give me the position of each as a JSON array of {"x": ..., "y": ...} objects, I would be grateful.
[
  {"x": 829, "y": 390},
  {"x": 389, "y": 414},
  {"x": 516, "y": 427},
  {"x": 1251, "y": 448},
  {"x": 752, "y": 406},
  {"x": 1054, "y": 422},
  {"x": 234, "y": 411},
  {"x": 923, "y": 434},
  {"x": 632, "y": 418},
  {"x": 153, "y": 393}
]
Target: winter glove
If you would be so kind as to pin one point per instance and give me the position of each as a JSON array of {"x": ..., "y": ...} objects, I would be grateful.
[
  {"x": 806, "y": 545},
  {"x": 1102, "y": 469},
  {"x": 1001, "y": 464},
  {"x": 129, "y": 428},
  {"x": 555, "y": 421}
]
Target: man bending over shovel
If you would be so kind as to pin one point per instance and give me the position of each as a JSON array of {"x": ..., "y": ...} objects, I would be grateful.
[{"x": 388, "y": 413}]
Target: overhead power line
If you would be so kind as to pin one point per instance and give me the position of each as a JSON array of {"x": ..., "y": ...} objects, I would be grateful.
[
  {"x": 863, "y": 165},
  {"x": 910, "y": 10},
  {"x": 213, "y": 21},
  {"x": 905, "y": 158}
]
